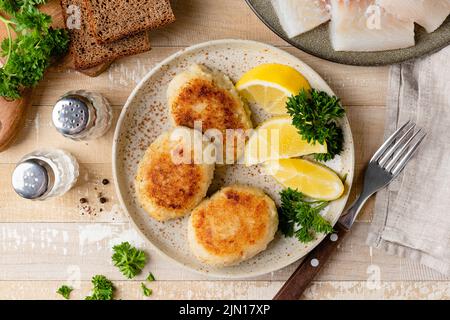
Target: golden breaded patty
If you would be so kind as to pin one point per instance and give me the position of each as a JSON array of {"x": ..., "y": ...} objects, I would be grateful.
[
  {"x": 235, "y": 224},
  {"x": 167, "y": 186},
  {"x": 209, "y": 96}
]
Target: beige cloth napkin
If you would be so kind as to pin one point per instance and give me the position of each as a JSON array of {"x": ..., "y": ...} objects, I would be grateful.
[{"x": 412, "y": 216}]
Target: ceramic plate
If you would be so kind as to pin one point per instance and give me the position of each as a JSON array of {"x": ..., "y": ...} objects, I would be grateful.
[
  {"x": 145, "y": 116},
  {"x": 317, "y": 41}
]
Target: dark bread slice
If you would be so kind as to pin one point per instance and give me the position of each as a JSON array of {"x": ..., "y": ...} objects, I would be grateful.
[
  {"x": 87, "y": 53},
  {"x": 115, "y": 19}
]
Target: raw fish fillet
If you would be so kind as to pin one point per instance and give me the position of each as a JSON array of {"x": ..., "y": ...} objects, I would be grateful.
[
  {"x": 430, "y": 14},
  {"x": 299, "y": 16},
  {"x": 360, "y": 25}
]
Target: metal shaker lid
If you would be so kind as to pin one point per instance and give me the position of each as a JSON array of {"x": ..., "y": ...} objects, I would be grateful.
[
  {"x": 73, "y": 114},
  {"x": 32, "y": 178}
]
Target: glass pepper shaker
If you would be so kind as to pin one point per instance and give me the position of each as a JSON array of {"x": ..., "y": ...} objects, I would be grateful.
[
  {"x": 82, "y": 115},
  {"x": 45, "y": 173}
]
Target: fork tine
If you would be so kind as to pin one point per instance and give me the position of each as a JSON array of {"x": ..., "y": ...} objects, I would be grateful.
[
  {"x": 405, "y": 159},
  {"x": 401, "y": 152},
  {"x": 388, "y": 142},
  {"x": 390, "y": 150}
]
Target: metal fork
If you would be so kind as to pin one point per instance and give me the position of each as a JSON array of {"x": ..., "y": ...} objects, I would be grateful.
[{"x": 386, "y": 164}]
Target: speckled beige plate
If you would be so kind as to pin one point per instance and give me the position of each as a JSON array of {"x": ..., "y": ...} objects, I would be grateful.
[
  {"x": 145, "y": 116},
  {"x": 317, "y": 41}
]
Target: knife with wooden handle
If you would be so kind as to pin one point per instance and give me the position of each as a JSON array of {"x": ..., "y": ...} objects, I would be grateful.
[{"x": 311, "y": 266}]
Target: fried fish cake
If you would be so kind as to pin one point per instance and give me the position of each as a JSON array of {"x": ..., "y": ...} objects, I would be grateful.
[
  {"x": 169, "y": 183},
  {"x": 209, "y": 96},
  {"x": 234, "y": 225}
]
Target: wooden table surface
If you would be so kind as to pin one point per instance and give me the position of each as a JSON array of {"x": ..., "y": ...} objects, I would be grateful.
[{"x": 46, "y": 244}]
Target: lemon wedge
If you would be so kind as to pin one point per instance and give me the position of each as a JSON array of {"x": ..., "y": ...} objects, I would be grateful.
[
  {"x": 276, "y": 139},
  {"x": 312, "y": 179},
  {"x": 270, "y": 85}
]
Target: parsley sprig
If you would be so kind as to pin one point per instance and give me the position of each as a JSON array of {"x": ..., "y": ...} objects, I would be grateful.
[
  {"x": 300, "y": 217},
  {"x": 103, "y": 289},
  {"x": 65, "y": 291},
  {"x": 130, "y": 262},
  {"x": 129, "y": 259},
  {"x": 146, "y": 291},
  {"x": 30, "y": 52},
  {"x": 314, "y": 114}
]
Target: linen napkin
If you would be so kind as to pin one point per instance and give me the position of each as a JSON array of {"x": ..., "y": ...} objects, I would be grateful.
[{"x": 412, "y": 216}]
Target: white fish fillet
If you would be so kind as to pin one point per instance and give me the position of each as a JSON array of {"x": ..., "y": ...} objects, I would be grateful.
[
  {"x": 360, "y": 25},
  {"x": 299, "y": 16},
  {"x": 430, "y": 14}
]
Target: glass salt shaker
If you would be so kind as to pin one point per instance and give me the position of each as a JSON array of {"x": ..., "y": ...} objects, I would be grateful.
[
  {"x": 82, "y": 115},
  {"x": 45, "y": 173}
]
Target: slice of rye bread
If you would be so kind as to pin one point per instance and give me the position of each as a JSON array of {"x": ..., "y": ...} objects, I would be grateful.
[
  {"x": 115, "y": 19},
  {"x": 86, "y": 52}
]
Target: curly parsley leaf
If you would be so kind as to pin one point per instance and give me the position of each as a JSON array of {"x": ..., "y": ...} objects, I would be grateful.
[
  {"x": 314, "y": 114},
  {"x": 103, "y": 289},
  {"x": 10, "y": 6},
  {"x": 146, "y": 291},
  {"x": 335, "y": 143},
  {"x": 150, "y": 277},
  {"x": 30, "y": 52},
  {"x": 301, "y": 218},
  {"x": 128, "y": 259},
  {"x": 64, "y": 291}
]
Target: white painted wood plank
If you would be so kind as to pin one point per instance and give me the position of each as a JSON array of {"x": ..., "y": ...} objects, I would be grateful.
[
  {"x": 53, "y": 251},
  {"x": 228, "y": 290},
  {"x": 384, "y": 290},
  {"x": 132, "y": 289}
]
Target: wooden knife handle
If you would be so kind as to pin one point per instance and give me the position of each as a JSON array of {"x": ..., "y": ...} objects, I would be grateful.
[{"x": 310, "y": 266}]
